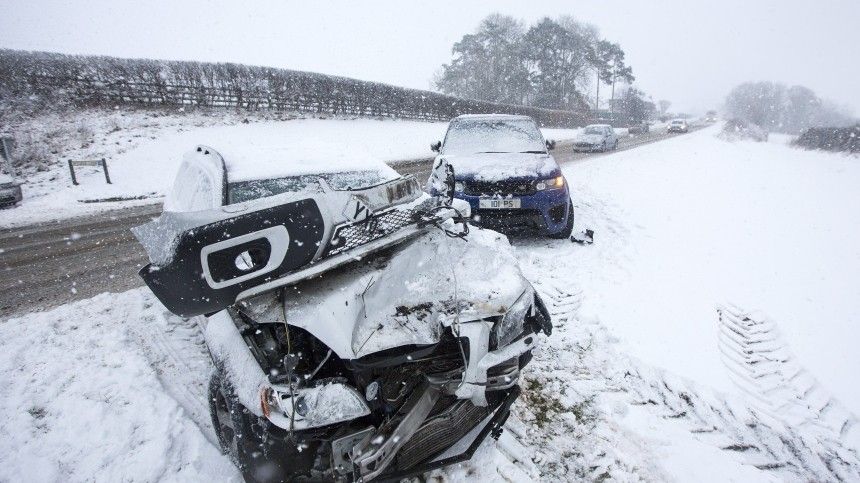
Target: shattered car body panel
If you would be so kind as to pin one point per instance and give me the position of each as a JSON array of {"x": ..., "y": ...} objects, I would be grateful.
[{"x": 203, "y": 261}]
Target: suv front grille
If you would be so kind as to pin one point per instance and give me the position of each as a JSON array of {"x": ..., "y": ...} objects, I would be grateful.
[{"x": 520, "y": 188}]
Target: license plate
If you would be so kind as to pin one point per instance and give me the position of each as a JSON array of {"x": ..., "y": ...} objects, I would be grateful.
[{"x": 499, "y": 203}]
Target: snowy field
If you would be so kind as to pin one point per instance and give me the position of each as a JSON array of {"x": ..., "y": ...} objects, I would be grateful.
[
  {"x": 143, "y": 151},
  {"x": 641, "y": 380}
]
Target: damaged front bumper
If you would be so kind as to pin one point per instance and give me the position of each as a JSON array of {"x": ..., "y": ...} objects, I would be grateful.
[{"x": 204, "y": 261}]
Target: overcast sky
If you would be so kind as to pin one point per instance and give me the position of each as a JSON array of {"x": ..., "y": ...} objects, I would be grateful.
[{"x": 690, "y": 52}]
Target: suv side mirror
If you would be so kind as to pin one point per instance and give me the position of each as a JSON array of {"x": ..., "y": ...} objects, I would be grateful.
[
  {"x": 550, "y": 144},
  {"x": 437, "y": 146}
]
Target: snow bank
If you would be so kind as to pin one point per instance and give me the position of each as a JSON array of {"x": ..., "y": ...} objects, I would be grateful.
[
  {"x": 90, "y": 394},
  {"x": 686, "y": 224}
]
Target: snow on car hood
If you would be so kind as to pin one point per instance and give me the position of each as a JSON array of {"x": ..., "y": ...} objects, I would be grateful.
[
  {"x": 252, "y": 161},
  {"x": 589, "y": 138},
  {"x": 501, "y": 166},
  {"x": 408, "y": 296}
]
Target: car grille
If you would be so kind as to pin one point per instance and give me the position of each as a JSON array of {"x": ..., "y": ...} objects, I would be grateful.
[
  {"x": 506, "y": 219},
  {"x": 375, "y": 227},
  {"x": 441, "y": 431},
  {"x": 520, "y": 188}
]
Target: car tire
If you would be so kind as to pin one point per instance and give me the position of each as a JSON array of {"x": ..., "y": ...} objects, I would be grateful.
[
  {"x": 568, "y": 227},
  {"x": 604, "y": 147},
  {"x": 241, "y": 435}
]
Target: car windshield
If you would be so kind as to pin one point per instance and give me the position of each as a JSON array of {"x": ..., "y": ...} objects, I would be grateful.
[
  {"x": 471, "y": 136},
  {"x": 677, "y": 122},
  {"x": 594, "y": 130},
  {"x": 240, "y": 191}
]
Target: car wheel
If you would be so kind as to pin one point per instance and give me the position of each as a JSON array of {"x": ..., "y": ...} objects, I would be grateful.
[
  {"x": 240, "y": 434},
  {"x": 568, "y": 227},
  {"x": 603, "y": 147}
]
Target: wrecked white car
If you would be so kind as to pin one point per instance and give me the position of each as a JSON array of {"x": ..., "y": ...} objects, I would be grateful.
[{"x": 358, "y": 330}]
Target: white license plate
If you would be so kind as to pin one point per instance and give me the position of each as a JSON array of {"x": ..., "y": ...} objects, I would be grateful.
[{"x": 499, "y": 203}]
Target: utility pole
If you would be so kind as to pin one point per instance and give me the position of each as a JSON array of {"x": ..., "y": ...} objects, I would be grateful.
[{"x": 597, "y": 98}]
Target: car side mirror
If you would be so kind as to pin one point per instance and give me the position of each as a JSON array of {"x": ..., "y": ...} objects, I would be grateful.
[
  {"x": 437, "y": 146},
  {"x": 550, "y": 144}
]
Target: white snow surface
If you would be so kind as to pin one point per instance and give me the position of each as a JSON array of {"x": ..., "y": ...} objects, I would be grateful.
[
  {"x": 94, "y": 391},
  {"x": 500, "y": 166},
  {"x": 144, "y": 150},
  {"x": 632, "y": 385}
]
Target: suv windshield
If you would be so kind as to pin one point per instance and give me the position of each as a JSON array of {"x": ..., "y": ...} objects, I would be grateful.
[
  {"x": 470, "y": 136},
  {"x": 240, "y": 191}
]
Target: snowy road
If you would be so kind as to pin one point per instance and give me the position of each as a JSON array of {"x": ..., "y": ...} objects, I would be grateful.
[{"x": 50, "y": 264}]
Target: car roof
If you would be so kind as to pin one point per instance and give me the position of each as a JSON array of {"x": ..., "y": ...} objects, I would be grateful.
[
  {"x": 679, "y": 120},
  {"x": 247, "y": 162},
  {"x": 598, "y": 125},
  {"x": 493, "y": 117}
]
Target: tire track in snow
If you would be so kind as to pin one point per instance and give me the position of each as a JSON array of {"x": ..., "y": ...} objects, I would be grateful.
[
  {"x": 727, "y": 423},
  {"x": 762, "y": 366},
  {"x": 176, "y": 350}
]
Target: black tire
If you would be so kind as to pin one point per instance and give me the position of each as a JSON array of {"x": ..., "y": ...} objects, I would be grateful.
[
  {"x": 604, "y": 148},
  {"x": 568, "y": 228},
  {"x": 240, "y": 435}
]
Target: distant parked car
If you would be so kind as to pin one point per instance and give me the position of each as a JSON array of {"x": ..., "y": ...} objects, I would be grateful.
[
  {"x": 10, "y": 191},
  {"x": 638, "y": 127},
  {"x": 678, "y": 125},
  {"x": 596, "y": 137},
  {"x": 503, "y": 168}
]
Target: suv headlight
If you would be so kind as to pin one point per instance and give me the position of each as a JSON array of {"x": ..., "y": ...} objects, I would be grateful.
[
  {"x": 550, "y": 184},
  {"x": 511, "y": 325}
]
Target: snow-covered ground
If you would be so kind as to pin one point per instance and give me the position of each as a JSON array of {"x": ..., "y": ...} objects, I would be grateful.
[
  {"x": 143, "y": 150},
  {"x": 641, "y": 379}
]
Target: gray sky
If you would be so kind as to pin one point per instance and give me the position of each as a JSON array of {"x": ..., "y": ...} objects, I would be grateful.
[{"x": 690, "y": 52}]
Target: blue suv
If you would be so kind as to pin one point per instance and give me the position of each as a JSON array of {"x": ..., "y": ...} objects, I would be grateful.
[{"x": 503, "y": 168}]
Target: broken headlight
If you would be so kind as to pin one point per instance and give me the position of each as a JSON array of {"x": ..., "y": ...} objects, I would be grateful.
[
  {"x": 511, "y": 325},
  {"x": 312, "y": 407}
]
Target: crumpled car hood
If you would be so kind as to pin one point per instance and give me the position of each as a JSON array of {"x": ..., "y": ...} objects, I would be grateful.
[
  {"x": 501, "y": 166},
  {"x": 360, "y": 309}
]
